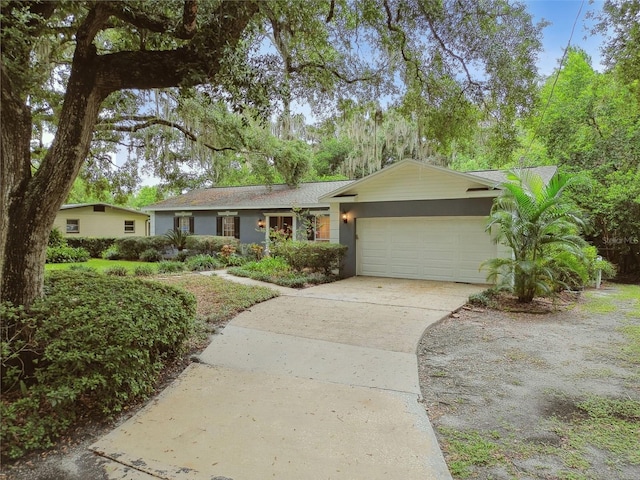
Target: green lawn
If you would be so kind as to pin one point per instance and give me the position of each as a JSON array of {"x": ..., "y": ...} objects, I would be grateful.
[{"x": 98, "y": 263}]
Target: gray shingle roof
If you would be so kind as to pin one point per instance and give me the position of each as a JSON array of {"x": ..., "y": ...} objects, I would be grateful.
[
  {"x": 252, "y": 197},
  {"x": 69, "y": 206},
  {"x": 500, "y": 176}
]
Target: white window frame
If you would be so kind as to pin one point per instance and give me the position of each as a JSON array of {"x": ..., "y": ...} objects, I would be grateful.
[
  {"x": 327, "y": 218},
  {"x": 184, "y": 224},
  {"x": 228, "y": 226},
  {"x": 75, "y": 222}
]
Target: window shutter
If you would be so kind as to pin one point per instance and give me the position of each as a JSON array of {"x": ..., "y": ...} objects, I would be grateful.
[
  {"x": 176, "y": 223},
  {"x": 218, "y": 226},
  {"x": 192, "y": 223},
  {"x": 236, "y": 227}
]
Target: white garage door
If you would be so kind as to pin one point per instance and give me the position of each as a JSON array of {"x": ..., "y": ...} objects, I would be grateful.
[{"x": 432, "y": 248}]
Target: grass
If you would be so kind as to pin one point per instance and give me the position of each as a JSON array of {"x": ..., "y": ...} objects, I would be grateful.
[
  {"x": 98, "y": 264},
  {"x": 467, "y": 449},
  {"x": 219, "y": 300}
]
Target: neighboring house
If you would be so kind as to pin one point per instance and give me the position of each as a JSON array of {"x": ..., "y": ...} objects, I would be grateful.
[
  {"x": 101, "y": 220},
  {"x": 409, "y": 220},
  {"x": 414, "y": 220},
  {"x": 245, "y": 212}
]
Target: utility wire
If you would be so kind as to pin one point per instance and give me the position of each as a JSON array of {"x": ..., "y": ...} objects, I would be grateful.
[{"x": 564, "y": 56}]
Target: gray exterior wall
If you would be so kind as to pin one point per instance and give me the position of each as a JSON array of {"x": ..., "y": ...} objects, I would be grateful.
[
  {"x": 459, "y": 207},
  {"x": 204, "y": 223}
]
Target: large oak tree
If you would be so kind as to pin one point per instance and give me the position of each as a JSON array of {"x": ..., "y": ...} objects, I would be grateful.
[{"x": 79, "y": 66}]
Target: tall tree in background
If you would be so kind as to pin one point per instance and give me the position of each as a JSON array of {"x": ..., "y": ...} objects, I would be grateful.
[
  {"x": 76, "y": 65},
  {"x": 589, "y": 123}
]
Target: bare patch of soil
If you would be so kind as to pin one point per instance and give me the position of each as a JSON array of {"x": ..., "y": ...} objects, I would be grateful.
[{"x": 515, "y": 379}]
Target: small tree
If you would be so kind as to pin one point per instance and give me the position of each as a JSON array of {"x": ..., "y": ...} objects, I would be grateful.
[{"x": 532, "y": 218}]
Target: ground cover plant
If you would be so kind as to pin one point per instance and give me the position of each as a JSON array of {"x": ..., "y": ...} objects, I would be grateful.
[
  {"x": 276, "y": 270},
  {"x": 94, "y": 343},
  {"x": 218, "y": 300},
  {"x": 97, "y": 264},
  {"x": 525, "y": 395}
]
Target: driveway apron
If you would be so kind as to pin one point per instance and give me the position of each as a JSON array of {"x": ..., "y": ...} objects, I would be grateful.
[{"x": 320, "y": 383}]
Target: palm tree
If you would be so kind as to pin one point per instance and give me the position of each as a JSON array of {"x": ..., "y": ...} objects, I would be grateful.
[{"x": 532, "y": 218}]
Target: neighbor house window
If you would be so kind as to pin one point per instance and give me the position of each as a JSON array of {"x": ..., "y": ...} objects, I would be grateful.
[
  {"x": 73, "y": 226},
  {"x": 228, "y": 226},
  {"x": 129, "y": 226}
]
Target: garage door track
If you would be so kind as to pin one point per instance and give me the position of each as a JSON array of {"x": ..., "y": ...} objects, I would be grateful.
[{"x": 320, "y": 383}]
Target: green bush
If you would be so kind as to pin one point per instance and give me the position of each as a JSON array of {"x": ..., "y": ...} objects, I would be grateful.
[
  {"x": 95, "y": 246},
  {"x": 66, "y": 254},
  {"x": 199, "y": 263},
  {"x": 151, "y": 255},
  {"x": 575, "y": 272},
  {"x": 82, "y": 268},
  {"x": 277, "y": 270},
  {"x": 209, "y": 244},
  {"x": 170, "y": 267},
  {"x": 94, "y": 342},
  {"x": 144, "y": 271},
  {"x": 116, "y": 271},
  {"x": 130, "y": 248},
  {"x": 314, "y": 256},
  {"x": 56, "y": 238},
  {"x": 177, "y": 238},
  {"x": 112, "y": 253}
]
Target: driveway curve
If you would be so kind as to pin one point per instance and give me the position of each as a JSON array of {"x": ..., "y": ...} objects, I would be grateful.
[{"x": 320, "y": 383}]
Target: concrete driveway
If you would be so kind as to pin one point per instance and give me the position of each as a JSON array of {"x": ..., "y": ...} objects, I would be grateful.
[{"x": 320, "y": 383}]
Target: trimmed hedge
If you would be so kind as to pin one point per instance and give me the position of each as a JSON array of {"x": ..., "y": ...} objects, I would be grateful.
[
  {"x": 94, "y": 342},
  {"x": 130, "y": 248},
  {"x": 209, "y": 244},
  {"x": 95, "y": 246},
  {"x": 314, "y": 256}
]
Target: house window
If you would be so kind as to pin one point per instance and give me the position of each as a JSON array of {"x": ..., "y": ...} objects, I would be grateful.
[
  {"x": 129, "y": 226},
  {"x": 73, "y": 226},
  {"x": 322, "y": 228},
  {"x": 184, "y": 224},
  {"x": 228, "y": 226},
  {"x": 282, "y": 224}
]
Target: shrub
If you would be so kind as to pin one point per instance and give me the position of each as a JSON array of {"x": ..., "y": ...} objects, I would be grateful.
[
  {"x": 209, "y": 244},
  {"x": 151, "y": 255},
  {"x": 112, "y": 253},
  {"x": 82, "y": 350},
  {"x": 268, "y": 266},
  {"x": 81, "y": 268},
  {"x": 116, "y": 271},
  {"x": 182, "y": 256},
  {"x": 130, "y": 248},
  {"x": 65, "y": 254},
  {"x": 315, "y": 256},
  {"x": 257, "y": 251},
  {"x": 199, "y": 263},
  {"x": 177, "y": 238},
  {"x": 56, "y": 238},
  {"x": 95, "y": 246},
  {"x": 170, "y": 267},
  {"x": 144, "y": 271}
]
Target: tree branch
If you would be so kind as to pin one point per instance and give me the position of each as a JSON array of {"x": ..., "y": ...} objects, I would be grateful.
[
  {"x": 188, "y": 65},
  {"x": 158, "y": 23},
  {"x": 148, "y": 121}
]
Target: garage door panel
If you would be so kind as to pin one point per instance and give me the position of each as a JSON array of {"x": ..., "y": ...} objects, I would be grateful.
[{"x": 436, "y": 248}]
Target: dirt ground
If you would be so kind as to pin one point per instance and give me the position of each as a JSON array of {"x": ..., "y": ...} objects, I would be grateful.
[{"x": 501, "y": 389}]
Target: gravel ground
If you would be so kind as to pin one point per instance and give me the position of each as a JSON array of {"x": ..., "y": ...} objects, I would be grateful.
[{"x": 499, "y": 383}]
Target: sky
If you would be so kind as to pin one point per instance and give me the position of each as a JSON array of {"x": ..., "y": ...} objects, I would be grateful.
[{"x": 562, "y": 14}]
